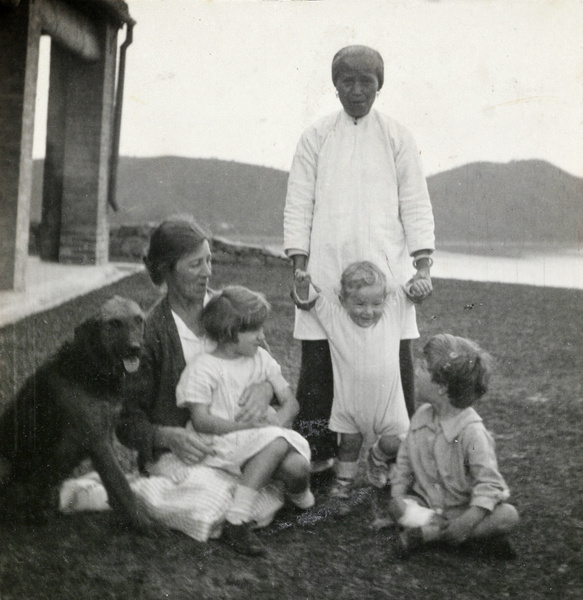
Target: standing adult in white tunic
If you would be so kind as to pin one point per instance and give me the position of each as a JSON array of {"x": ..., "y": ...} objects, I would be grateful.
[{"x": 356, "y": 191}]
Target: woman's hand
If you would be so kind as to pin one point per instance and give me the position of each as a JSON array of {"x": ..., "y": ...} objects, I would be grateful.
[
  {"x": 302, "y": 282},
  {"x": 272, "y": 417},
  {"x": 254, "y": 403},
  {"x": 183, "y": 443},
  {"x": 419, "y": 286}
]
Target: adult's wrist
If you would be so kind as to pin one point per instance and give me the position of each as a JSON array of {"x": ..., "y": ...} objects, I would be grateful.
[
  {"x": 422, "y": 259},
  {"x": 299, "y": 261},
  {"x": 423, "y": 272}
]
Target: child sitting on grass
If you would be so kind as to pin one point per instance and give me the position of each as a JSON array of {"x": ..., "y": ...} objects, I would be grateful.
[
  {"x": 447, "y": 485},
  {"x": 211, "y": 386},
  {"x": 364, "y": 332}
]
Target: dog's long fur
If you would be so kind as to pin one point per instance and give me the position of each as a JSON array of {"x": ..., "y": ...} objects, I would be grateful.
[{"x": 67, "y": 411}]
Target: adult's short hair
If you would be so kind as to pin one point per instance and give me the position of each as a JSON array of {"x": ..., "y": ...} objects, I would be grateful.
[{"x": 169, "y": 242}]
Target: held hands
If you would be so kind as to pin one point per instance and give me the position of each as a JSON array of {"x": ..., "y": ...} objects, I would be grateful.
[
  {"x": 419, "y": 287},
  {"x": 271, "y": 417},
  {"x": 301, "y": 290}
]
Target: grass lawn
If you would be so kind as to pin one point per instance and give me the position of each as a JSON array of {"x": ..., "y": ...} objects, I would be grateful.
[{"x": 534, "y": 408}]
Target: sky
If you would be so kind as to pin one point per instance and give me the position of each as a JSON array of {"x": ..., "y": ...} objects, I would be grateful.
[{"x": 474, "y": 80}]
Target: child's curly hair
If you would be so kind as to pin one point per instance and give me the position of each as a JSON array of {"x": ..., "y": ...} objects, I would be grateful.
[
  {"x": 358, "y": 275},
  {"x": 460, "y": 365},
  {"x": 232, "y": 311}
]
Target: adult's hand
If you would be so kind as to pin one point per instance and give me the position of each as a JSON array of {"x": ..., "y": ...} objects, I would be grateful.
[
  {"x": 254, "y": 402},
  {"x": 183, "y": 443},
  {"x": 419, "y": 287}
]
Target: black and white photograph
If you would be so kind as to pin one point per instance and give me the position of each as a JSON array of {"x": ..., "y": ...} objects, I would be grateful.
[{"x": 291, "y": 299}]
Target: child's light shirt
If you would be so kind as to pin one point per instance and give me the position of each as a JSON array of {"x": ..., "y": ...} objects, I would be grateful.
[
  {"x": 220, "y": 383},
  {"x": 450, "y": 464},
  {"x": 368, "y": 395}
]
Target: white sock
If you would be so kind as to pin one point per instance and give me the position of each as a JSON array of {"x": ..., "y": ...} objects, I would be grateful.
[
  {"x": 346, "y": 471},
  {"x": 241, "y": 509}
]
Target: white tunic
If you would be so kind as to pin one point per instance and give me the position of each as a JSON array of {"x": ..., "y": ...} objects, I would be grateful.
[
  {"x": 356, "y": 191},
  {"x": 368, "y": 395},
  {"x": 220, "y": 383}
]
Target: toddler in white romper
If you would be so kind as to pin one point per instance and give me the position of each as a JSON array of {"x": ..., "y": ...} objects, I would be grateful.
[{"x": 364, "y": 333}]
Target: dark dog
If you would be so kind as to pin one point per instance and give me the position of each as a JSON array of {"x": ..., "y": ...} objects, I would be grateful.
[{"x": 67, "y": 411}]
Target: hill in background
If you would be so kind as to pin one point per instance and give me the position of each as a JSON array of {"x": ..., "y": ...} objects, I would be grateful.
[{"x": 519, "y": 203}]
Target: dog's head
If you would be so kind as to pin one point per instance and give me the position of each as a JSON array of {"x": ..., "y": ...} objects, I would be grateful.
[
  {"x": 122, "y": 331},
  {"x": 116, "y": 333}
]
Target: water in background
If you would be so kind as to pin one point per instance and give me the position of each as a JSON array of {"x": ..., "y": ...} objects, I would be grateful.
[{"x": 536, "y": 265}]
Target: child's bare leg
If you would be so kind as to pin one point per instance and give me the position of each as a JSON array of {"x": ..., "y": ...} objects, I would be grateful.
[
  {"x": 382, "y": 453},
  {"x": 389, "y": 446},
  {"x": 257, "y": 471},
  {"x": 346, "y": 466},
  {"x": 501, "y": 520},
  {"x": 294, "y": 472},
  {"x": 349, "y": 449}
]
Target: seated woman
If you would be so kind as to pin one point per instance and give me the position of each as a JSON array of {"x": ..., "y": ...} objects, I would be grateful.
[{"x": 179, "y": 258}]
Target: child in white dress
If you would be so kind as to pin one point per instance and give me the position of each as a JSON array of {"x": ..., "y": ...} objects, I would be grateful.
[
  {"x": 364, "y": 333},
  {"x": 211, "y": 386}
]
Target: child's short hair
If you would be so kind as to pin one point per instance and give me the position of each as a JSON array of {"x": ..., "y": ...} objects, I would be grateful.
[
  {"x": 232, "y": 311},
  {"x": 460, "y": 365},
  {"x": 358, "y": 275}
]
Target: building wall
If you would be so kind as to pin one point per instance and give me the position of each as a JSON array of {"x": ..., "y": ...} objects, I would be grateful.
[
  {"x": 19, "y": 48},
  {"x": 79, "y": 132}
]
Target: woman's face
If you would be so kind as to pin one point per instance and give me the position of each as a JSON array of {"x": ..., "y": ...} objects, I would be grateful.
[
  {"x": 357, "y": 88},
  {"x": 188, "y": 279}
]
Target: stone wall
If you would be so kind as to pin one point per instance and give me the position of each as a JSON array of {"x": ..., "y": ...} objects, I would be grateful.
[{"x": 128, "y": 243}]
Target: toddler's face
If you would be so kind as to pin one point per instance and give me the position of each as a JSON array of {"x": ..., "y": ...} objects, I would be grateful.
[
  {"x": 249, "y": 341},
  {"x": 365, "y": 305}
]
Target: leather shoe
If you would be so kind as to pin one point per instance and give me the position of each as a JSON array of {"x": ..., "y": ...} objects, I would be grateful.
[{"x": 242, "y": 539}]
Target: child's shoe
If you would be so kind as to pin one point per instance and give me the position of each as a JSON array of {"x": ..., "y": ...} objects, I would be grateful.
[
  {"x": 242, "y": 539},
  {"x": 341, "y": 488},
  {"x": 303, "y": 500},
  {"x": 378, "y": 472}
]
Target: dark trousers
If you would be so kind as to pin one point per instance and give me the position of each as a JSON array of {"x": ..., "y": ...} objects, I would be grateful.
[{"x": 316, "y": 391}]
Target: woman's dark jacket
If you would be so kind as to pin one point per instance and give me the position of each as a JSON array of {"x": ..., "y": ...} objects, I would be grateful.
[{"x": 150, "y": 397}]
